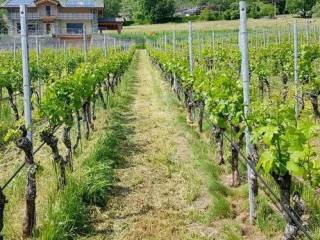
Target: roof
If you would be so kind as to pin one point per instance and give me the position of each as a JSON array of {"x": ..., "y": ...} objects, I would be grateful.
[
  {"x": 17, "y": 3},
  {"x": 81, "y": 3},
  {"x": 63, "y": 3}
]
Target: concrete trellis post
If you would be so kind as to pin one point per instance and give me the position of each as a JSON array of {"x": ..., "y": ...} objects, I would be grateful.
[
  {"x": 84, "y": 34},
  {"x": 213, "y": 39},
  {"x": 307, "y": 32},
  {"x": 174, "y": 42},
  {"x": 14, "y": 49},
  {"x": 243, "y": 33},
  {"x": 85, "y": 43},
  {"x": 190, "y": 47},
  {"x": 105, "y": 45},
  {"x": 189, "y": 101},
  {"x": 25, "y": 143},
  {"x": 279, "y": 36},
  {"x": 296, "y": 73},
  {"x": 38, "y": 53},
  {"x": 165, "y": 42},
  {"x": 25, "y": 65}
]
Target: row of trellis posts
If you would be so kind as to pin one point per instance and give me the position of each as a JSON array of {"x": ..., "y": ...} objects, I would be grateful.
[
  {"x": 243, "y": 45},
  {"x": 26, "y": 143},
  {"x": 243, "y": 42}
]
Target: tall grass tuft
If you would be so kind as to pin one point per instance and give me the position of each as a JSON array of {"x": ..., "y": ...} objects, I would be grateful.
[
  {"x": 269, "y": 221},
  {"x": 98, "y": 176},
  {"x": 220, "y": 208},
  {"x": 67, "y": 215}
]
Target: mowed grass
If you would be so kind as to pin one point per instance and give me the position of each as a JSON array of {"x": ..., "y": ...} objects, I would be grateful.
[{"x": 282, "y": 21}]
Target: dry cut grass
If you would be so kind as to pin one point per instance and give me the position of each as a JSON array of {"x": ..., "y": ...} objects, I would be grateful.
[{"x": 281, "y": 21}]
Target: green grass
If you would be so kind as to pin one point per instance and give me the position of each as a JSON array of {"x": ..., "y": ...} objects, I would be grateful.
[
  {"x": 220, "y": 208},
  {"x": 269, "y": 221},
  {"x": 231, "y": 233},
  {"x": 67, "y": 216}
]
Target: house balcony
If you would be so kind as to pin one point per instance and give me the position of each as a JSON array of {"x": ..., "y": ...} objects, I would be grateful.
[
  {"x": 51, "y": 18},
  {"x": 75, "y": 16},
  {"x": 30, "y": 16},
  {"x": 48, "y": 19}
]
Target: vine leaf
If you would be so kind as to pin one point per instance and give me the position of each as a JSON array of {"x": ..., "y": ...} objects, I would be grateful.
[{"x": 266, "y": 161}]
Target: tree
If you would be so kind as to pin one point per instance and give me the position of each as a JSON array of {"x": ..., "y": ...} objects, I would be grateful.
[
  {"x": 112, "y": 8},
  {"x": 3, "y": 27},
  {"x": 128, "y": 8},
  {"x": 301, "y": 7},
  {"x": 154, "y": 11},
  {"x": 316, "y": 10}
]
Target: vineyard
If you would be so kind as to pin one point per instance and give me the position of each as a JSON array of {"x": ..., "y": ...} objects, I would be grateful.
[
  {"x": 68, "y": 89},
  {"x": 207, "y": 77},
  {"x": 199, "y": 135}
]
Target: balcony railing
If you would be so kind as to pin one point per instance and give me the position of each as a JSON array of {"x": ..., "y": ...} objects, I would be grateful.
[
  {"x": 88, "y": 16},
  {"x": 61, "y": 16},
  {"x": 30, "y": 16}
]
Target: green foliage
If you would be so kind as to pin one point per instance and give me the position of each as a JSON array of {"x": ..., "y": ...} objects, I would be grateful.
[
  {"x": 153, "y": 11},
  {"x": 316, "y": 10},
  {"x": 288, "y": 146},
  {"x": 6, "y": 122},
  {"x": 300, "y": 7},
  {"x": 259, "y": 9},
  {"x": 68, "y": 92},
  {"x": 208, "y": 15},
  {"x": 67, "y": 215},
  {"x": 112, "y": 8}
]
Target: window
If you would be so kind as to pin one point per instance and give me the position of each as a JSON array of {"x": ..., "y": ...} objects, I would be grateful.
[
  {"x": 18, "y": 27},
  {"x": 48, "y": 10},
  {"x": 75, "y": 28},
  {"x": 48, "y": 28},
  {"x": 32, "y": 28}
]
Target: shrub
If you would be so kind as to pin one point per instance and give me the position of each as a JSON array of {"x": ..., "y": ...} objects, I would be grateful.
[
  {"x": 260, "y": 9},
  {"x": 316, "y": 10},
  {"x": 206, "y": 15}
]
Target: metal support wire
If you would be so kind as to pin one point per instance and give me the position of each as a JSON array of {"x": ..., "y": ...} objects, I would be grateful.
[
  {"x": 24, "y": 163},
  {"x": 272, "y": 193}
]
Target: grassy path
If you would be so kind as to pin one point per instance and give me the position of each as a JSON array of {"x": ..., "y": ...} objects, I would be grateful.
[{"x": 167, "y": 185}]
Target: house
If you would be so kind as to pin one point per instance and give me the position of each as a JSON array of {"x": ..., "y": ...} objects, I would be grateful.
[
  {"x": 65, "y": 19},
  {"x": 186, "y": 12}
]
